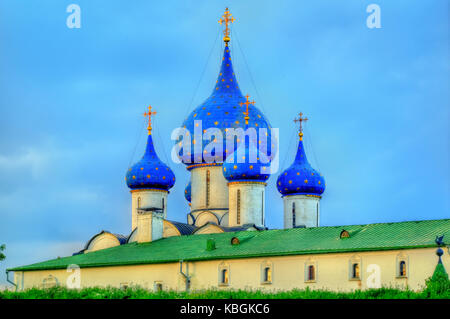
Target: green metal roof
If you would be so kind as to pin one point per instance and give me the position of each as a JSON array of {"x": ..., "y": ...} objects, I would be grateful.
[{"x": 279, "y": 242}]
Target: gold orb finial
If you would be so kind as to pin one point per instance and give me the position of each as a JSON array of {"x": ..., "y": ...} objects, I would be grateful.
[
  {"x": 300, "y": 119},
  {"x": 227, "y": 18}
]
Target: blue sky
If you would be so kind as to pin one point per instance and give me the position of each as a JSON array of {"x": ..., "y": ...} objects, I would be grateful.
[{"x": 71, "y": 102}]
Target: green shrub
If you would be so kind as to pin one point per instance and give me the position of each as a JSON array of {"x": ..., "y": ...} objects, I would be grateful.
[{"x": 437, "y": 287}]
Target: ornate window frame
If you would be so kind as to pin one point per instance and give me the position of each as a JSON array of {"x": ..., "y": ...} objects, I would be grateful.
[
  {"x": 223, "y": 267},
  {"x": 158, "y": 286},
  {"x": 50, "y": 281},
  {"x": 401, "y": 257},
  {"x": 308, "y": 263},
  {"x": 267, "y": 264},
  {"x": 355, "y": 260}
]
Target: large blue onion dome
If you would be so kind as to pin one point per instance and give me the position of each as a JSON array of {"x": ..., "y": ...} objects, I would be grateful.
[
  {"x": 222, "y": 110},
  {"x": 300, "y": 178},
  {"x": 246, "y": 165},
  {"x": 187, "y": 192},
  {"x": 150, "y": 171}
]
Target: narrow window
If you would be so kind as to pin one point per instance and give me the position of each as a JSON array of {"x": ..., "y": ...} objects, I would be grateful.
[
  {"x": 267, "y": 274},
  {"x": 402, "y": 269},
  {"x": 262, "y": 208},
  {"x": 163, "y": 204},
  {"x": 238, "y": 208},
  {"x": 293, "y": 215},
  {"x": 139, "y": 202},
  {"x": 317, "y": 214},
  {"x": 207, "y": 187},
  {"x": 158, "y": 287},
  {"x": 224, "y": 276},
  {"x": 311, "y": 273},
  {"x": 355, "y": 271}
]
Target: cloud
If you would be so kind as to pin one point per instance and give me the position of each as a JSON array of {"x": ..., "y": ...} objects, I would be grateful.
[
  {"x": 20, "y": 253},
  {"x": 30, "y": 160}
]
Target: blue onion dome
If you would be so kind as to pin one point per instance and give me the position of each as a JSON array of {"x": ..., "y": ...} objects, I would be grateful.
[
  {"x": 300, "y": 178},
  {"x": 222, "y": 110},
  {"x": 246, "y": 164},
  {"x": 187, "y": 192},
  {"x": 150, "y": 171}
]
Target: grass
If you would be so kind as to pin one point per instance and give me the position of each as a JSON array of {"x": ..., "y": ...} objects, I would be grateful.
[
  {"x": 436, "y": 287},
  {"x": 141, "y": 293}
]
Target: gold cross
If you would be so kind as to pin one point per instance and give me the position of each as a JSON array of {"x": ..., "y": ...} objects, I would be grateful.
[
  {"x": 246, "y": 107},
  {"x": 300, "y": 120},
  {"x": 226, "y": 18},
  {"x": 149, "y": 114}
]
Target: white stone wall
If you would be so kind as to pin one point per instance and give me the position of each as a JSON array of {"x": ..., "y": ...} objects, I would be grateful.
[
  {"x": 252, "y": 207},
  {"x": 149, "y": 198},
  {"x": 307, "y": 210},
  {"x": 218, "y": 190},
  {"x": 332, "y": 272},
  {"x": 150, "y": 226}
]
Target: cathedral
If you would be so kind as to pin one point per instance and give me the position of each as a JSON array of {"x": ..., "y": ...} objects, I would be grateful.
[{"x": 224, "y": 242}]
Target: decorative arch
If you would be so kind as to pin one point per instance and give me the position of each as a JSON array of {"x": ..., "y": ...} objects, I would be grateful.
[
  {"x": 133, "y": 236},
  {"x": 169, "y": 229},
  {"x": 206, "y": 217},
  {"x": 223, "y": 220},
  {"x": 50, "y": 281},
  {"x": 190, "y": 219},
  {"x": 101, "y": 241},
  {"x": 209, "y": 228}
]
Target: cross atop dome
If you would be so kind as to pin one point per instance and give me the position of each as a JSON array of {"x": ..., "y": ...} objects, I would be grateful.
[
  {"x": 227, "y": 18},
  {"x": 247, "y": 102},
  {"x": 149, "y": 114},
  {"x": 300, "y": 120}
]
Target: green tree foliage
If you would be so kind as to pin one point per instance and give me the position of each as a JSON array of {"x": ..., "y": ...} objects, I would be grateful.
[
  {"x": 438, "y": 285},
  {"x": 2, "y": 255}
]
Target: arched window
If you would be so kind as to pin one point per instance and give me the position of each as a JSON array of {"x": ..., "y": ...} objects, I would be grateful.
[
  {"x": 139, "y": 202},
  {"x": 355, "y": 271},
  {"x": 311, "y": 273},
  {"x": 344, "y": 234},
  {"x": 267, "y": 274},
  {"x": 293, "y": 215},
  {"x": 402, "y": 269},
  {"x": 163, "y": 205},
  {"x": 224, "y": 278},
  {"x": 49, "y": 282},
  {"x": 158, "y": 287},
  {"x": 238, "y": 207},
  {"x": 208, "y": 177}
]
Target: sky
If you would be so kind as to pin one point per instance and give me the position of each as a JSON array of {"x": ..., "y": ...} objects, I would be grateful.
[{"x": 71, "y": 104}]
